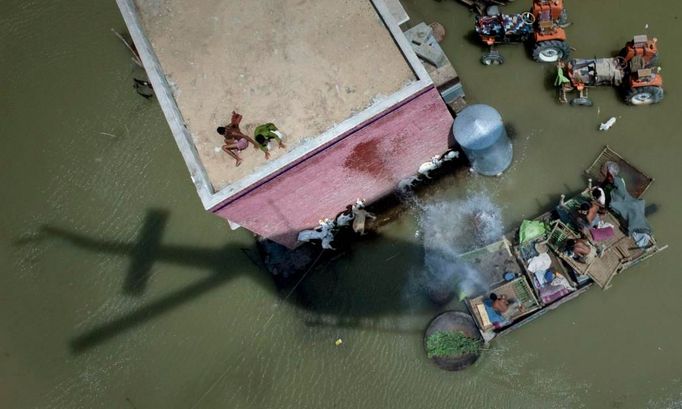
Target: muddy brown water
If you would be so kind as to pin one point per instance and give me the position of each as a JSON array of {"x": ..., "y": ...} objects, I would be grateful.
[{"x": 117, "y": 290}]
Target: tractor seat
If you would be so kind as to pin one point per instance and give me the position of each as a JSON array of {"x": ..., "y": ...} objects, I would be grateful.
[{"x": 546, "y": 25}]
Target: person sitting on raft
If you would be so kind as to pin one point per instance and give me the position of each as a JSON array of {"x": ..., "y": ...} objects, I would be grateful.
[
  {"x": 266, "y": 133},
  {"x": 581, "y": 250},
  {"x": 589, "y": 215},
  {"x": 599, "y": 196},
  {"x": 609, "y": 171},
  {"x": 235, "y": 140}
]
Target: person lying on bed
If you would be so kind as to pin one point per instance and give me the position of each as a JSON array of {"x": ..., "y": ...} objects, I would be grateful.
[
  {"x": 500, "y": 303},
  {"x": 503, "y": 306},
  {"x": 494, "y": 308}
]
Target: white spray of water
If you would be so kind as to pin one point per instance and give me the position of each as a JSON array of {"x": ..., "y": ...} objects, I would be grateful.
[{"x": 449, "y": 229}]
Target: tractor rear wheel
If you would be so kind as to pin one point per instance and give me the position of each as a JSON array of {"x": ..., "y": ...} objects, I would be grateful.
[
  {"x": 492, "y": 58},
  {"x": 551, "y": 51},
  {"x": 644, "y": 95},
  {"x": 581, "y": 101}
]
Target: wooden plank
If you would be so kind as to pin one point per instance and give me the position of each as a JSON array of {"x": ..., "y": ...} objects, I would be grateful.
[
  {"x": 482, "y": 321},
  {"x": 483, "y": 314},
  {"x": 604, "y": 268},
  {"x": 443, "y": 75}
]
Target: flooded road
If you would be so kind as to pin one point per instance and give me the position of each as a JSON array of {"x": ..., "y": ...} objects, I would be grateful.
[{"x": 118, "y": 291}]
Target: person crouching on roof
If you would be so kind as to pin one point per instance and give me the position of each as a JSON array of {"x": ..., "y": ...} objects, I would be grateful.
[
  {"x": 265, "y": 133},
  {"x": 235, "y": 140}
]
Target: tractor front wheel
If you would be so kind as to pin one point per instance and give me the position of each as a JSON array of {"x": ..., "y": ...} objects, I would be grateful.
[
  {"x": 581, "y": 101},
  {"x": 492, "y": 58},
  {"x": 644, "y": 95},
  {"x": 551, "y": 51}
]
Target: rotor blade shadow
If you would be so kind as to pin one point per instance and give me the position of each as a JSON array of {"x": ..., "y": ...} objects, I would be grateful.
[{"x": 119, "y": 325}]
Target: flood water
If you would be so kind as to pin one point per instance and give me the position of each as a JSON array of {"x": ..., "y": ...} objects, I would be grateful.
[{"x": 118, "y": 291}]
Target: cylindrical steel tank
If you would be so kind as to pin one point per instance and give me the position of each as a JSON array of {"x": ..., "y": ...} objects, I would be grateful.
[{"x": 480, "y": 132}]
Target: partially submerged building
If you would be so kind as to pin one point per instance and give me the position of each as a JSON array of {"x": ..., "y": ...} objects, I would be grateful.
[{"x": 358, "y": 108}]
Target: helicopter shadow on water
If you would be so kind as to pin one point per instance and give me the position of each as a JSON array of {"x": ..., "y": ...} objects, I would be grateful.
[
  {"x": 369, "y": 282},
  {"x": 350, "y": 298}
]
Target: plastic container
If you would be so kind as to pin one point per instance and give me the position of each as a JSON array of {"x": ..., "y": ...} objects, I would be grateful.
[{"x": 479, "y": 130}]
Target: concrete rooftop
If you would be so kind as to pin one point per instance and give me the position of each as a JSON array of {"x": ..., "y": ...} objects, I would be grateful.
[{"x": 304, "y": 65}]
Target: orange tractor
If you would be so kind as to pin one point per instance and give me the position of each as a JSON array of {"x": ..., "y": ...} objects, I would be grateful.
[
  {"x": 542, "y": 25},
  {"x": 635, "y": 69}
]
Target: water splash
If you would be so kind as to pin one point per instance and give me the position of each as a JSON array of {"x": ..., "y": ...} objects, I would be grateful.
[{"x": 448, "y": 229}]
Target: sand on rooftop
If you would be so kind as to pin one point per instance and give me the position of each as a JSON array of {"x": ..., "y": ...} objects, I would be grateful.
[{"x": 303, "y": 65}]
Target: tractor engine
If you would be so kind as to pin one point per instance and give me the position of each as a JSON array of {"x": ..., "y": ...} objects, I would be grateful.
[
  {"x": 640, "y": 52},
  {"x": 597, "y": 71},
  {"x": 549, "y": 10}
]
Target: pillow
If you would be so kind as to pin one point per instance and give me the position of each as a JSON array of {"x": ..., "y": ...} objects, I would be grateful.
[{"x": 602, "y": 233}]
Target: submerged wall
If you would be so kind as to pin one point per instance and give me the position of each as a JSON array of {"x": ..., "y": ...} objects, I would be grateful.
[{"x": 366, "y": 163}]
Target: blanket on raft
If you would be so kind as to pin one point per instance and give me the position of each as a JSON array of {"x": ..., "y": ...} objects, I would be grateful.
[
  {"x": 553, "y": 290},
  {"x": 631, "y": 210}
]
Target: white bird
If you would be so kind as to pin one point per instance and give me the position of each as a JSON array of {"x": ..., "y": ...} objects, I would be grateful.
[{"x": 608, "y": 124}]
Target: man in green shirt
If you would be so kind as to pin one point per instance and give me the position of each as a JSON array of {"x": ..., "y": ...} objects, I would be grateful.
[
  {"x": 562, "y": 82},
  {"x": 266, "y": 133}
]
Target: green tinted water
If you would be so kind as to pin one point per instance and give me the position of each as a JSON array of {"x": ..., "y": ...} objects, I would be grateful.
[{"x": 86, "y": 164}]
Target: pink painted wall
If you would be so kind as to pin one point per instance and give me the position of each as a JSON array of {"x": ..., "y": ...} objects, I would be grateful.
[{"x": 366, "y": 163}]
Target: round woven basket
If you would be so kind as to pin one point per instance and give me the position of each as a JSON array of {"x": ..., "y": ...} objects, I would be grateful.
[{"x": 452, "y": 321}]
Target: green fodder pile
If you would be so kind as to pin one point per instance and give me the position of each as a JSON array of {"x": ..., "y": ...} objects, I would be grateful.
[{"x": 446, "y": 344}]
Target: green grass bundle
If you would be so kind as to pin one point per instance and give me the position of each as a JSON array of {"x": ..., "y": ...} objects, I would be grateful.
[{"x": 443, "y": 344}]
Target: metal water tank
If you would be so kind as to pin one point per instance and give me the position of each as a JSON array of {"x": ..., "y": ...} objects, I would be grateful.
[{"x": 480, "y": 132}]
